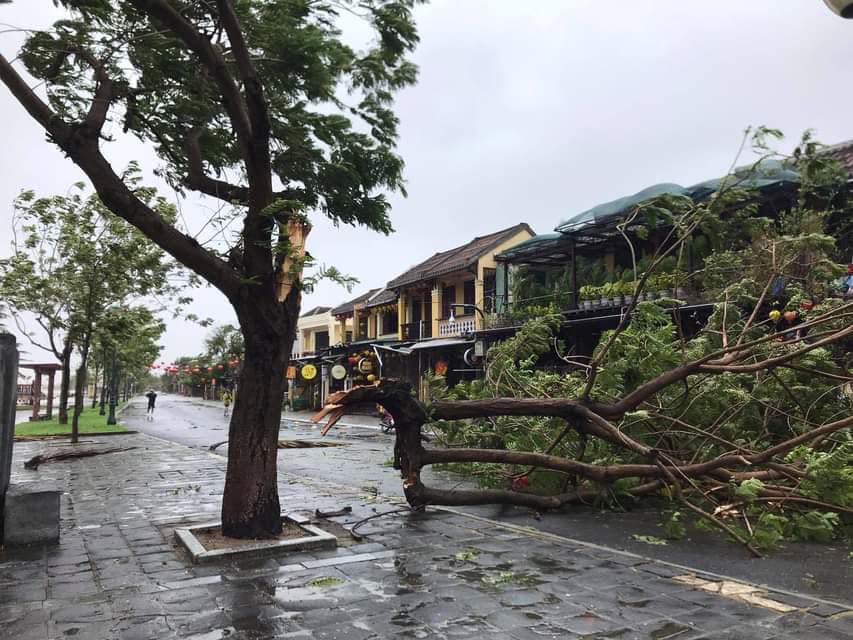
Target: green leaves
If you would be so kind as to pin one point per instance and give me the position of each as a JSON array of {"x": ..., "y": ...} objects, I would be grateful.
[
  {"x": 748, "y": 490},
  {"x": 769, "y": 530}
]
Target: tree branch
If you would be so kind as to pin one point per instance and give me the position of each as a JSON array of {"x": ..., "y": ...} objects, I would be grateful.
[
  {"x": 198, "y": 180},
  {"x": 213, "y": 61},
  {"x": 98, "y": 110},
  {"x": 114, "y": 193}
]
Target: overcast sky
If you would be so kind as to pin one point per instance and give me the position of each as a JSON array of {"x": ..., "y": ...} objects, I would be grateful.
[{"x": 534, "y": 111}]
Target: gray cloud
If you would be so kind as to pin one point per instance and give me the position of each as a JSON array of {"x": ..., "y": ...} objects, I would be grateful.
[{"x": 535, "y": 111}]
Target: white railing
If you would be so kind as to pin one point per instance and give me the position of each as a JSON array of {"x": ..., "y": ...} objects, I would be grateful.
[{"x": 460, "y": 326}]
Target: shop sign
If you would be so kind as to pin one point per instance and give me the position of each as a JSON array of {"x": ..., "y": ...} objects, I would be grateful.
[
  {"x": 339, "y": 372},
  {"x": 365, "y": 365},
  {"x": 309, "y": 372}
]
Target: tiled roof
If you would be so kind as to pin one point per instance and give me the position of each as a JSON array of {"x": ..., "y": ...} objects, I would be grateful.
[
  {"x": 315, "y": 311},
  {"x": 385, "y": 296},
  {"x": 347, "y": 307},
  {"x": 456, "y": 259},
  {"x": 843, "y": 152}
]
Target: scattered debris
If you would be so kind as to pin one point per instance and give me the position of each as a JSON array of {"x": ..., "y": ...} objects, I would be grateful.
[
  {"x": 308, "y": 444},
  {"x": 748, "y": 593},
  {"x": 69, "y": 454},
  {"x": 332, "y": 514},
  {"x": 649, "y": 539},
  {"x": 324, "y": 582},
  {"x": 467, "y": 555}
]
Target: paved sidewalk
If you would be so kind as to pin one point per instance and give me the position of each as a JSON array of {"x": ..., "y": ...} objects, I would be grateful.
[{"x": 117, "y": 574}]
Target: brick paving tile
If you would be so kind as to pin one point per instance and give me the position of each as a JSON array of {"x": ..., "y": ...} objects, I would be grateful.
[{"x": 118, "y": 574}]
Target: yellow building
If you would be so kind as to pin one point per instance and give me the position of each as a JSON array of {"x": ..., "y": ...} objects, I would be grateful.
[
  {"x": 317, "y": 329},
  {"x": 448, "y": 294},
  {"x": 370, "y": 316}
]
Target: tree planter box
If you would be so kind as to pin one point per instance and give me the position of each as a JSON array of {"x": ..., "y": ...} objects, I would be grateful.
[{"x": 314, "y": 538}]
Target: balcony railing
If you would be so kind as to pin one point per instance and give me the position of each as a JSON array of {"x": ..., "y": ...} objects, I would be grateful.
[
  {"x": 417, "y": 330},
  {"x": 460, "y": 326}
]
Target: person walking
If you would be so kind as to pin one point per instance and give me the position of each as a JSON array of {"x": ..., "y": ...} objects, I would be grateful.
[
  {"x": 152, "y": 398},
  {"x": 226, "y": 401}
]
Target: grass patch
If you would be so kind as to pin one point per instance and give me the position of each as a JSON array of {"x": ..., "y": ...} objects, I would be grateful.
[{"x": 90, "y": 422}]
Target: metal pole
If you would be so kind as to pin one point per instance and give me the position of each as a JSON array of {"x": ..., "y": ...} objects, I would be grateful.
[
  {"x": 574, "y": 278},
  {"x": 111, "y": 418}
]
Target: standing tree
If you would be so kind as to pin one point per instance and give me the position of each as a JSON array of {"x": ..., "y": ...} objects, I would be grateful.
[
  {"x": 224, "y": 344},
  {"x": 261, "y": 104},
  {"x": 34, "y": 281},
  {"x": 73, "y": 261},
  {"x": 128, "y": 337}
]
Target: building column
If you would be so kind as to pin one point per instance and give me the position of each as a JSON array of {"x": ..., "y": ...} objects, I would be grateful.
[
  {"x": 401, "y": 314},
  {"x": 372, "y": 328},
  {"x": 436, "y": 309},
  {"x": 479, "y": 300},
  {"x": 355, "y": 336}
]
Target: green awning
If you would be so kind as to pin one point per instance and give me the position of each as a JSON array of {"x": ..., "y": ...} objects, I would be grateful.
[
  {"x": 535, "y": 244},
  {"x": 767, "y": 173},
  {"x": 611, "y": 211}
]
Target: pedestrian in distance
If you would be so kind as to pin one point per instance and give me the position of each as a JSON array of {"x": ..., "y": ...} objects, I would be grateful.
[
  {"x": 226, "y": 401},
  {"x": 152, "y": 398}
]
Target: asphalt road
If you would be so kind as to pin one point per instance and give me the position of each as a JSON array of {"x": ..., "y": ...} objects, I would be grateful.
[{"x": 362, "y": 460}]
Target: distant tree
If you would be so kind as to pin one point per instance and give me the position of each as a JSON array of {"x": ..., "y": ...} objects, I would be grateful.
[
  {"x": 224, "y": 344},
  {"x": 261, "y": 104},
  {"x": 71, "y": 261},
  {"x": 131, "y": 335}
]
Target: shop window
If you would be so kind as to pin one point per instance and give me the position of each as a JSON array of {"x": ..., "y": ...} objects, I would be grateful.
[
  {"x": 490, "y": 290},
  {"x": 389, "y": 322},
  {"x": 468, "y": 295},
  {"x": 448, "y": 297},
  {"x": 321, "y": 340}
]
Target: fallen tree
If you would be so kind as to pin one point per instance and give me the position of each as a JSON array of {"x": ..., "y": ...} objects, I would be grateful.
[{"x": 745, "y": 424}]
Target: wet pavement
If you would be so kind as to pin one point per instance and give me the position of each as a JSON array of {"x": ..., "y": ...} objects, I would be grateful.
[
  {"x": 116, "y": 572},
  {"x": 820, "y": 570}
]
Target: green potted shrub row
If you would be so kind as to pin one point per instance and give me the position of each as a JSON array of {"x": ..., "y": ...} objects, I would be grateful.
[{"x": 621, "y": 292}]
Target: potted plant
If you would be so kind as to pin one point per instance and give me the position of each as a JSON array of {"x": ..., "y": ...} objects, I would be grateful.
[
  {"x": 606, "y": 294},
  {"x": 628, "y": 291},
  {"x": 616, "y": 297},
  {"x": 586, "y": 295},
  {"x": 664, "y": 285}
]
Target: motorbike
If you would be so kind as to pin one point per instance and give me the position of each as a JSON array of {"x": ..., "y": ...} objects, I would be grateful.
[{"x": 386, "y": 423}]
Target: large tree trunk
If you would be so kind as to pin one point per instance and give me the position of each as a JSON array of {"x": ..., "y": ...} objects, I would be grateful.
[
  {"x": 95, "y": 384},
  {"x": 250, "y": 504},
  {"x": 65, "y": 385},
  {"x": 79, "y": 390}
]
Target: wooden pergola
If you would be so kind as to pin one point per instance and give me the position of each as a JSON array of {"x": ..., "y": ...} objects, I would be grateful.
[{"x": 49, "y": 369}]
